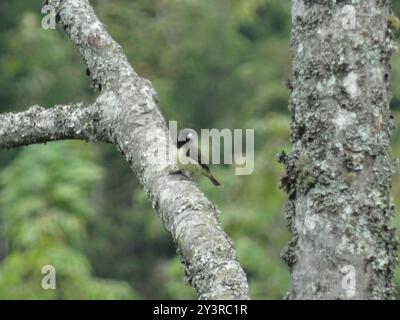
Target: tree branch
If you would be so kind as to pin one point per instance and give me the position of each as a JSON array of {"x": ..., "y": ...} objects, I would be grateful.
[
  {"x": 132, "y": 121},
  {"x": 39, "y": 125}
]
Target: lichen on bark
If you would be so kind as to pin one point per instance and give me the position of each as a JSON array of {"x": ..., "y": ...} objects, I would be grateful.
[{"x": 339, "y": 170}]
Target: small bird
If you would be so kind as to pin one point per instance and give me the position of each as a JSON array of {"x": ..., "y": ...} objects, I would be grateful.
[
  {"x": 394, "y": 23},
  {"x": 189, "y": 159}
]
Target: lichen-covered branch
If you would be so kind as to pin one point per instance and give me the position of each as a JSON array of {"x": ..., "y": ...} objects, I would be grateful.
[
  {"x": 131, "y": 120},
  {"x": 338, "y": 174},
  {"x": 38, "y": 125}
]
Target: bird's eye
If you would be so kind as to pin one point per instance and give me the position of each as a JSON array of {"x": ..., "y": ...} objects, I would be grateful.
[{"x": 189, "y": 136}]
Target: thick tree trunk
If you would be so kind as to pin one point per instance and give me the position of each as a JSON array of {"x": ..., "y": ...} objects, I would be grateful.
[{"x": 338, "y": 173}]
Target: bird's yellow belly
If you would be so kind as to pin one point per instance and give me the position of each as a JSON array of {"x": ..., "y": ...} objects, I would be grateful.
[{"x": 187, "y": 165}]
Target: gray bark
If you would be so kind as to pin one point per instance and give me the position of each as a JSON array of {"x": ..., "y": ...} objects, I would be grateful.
[
  {"x": 338, "y": 173},
  {"x": 38, "y": 125},
  {"x": 126, "y": 114}
]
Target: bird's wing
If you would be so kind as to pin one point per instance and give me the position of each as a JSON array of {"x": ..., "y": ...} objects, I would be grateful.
[{"x": 196, "y": 156}]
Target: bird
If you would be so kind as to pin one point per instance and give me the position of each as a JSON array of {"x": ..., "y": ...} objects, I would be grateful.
[
  {"x": 189, "y": 159},
  {"x": 394, "y": 23}
]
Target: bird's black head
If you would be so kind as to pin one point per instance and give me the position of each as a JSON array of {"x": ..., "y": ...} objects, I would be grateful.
[{"x": 185, "y": 136}]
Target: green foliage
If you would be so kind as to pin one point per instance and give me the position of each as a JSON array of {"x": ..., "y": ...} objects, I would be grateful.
[{"x": 45, "y": 199}]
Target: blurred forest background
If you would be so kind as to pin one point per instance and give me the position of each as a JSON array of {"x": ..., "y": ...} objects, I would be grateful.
[{"x": 77, "y": 206}]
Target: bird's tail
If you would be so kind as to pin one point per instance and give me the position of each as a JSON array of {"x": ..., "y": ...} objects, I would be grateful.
[{"x": 214, "y": 181}]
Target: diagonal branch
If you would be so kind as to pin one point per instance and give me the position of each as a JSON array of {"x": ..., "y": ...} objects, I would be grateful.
[
  {"x": 138, "y": 129},
  {"x": 130, "y": 119}
]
